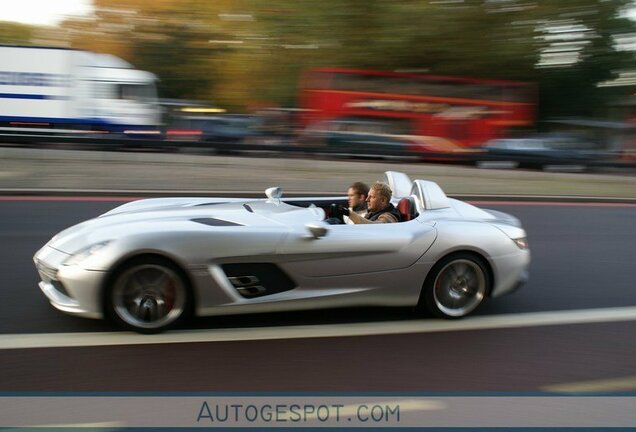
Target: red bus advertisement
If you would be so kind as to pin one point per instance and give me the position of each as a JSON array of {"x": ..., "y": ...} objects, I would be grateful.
[{"x": 466, "y": 111}]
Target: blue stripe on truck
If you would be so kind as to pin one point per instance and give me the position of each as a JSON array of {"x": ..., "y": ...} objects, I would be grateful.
[
  {"x": 31, "y": 96},
  {"x": 101, "y": 124}
]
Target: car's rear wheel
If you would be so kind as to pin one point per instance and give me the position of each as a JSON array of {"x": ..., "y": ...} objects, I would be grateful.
[
  {"x": 455, "y": 286},
  {"x": 148, "y": 295}
]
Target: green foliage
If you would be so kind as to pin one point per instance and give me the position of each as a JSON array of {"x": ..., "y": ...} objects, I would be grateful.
[
  {"x": 179, "y": 54},
  {"x": 504, "y": 39},
  {"x": 15, "y": 34},
  {"x": 572, "y": 90},
  {"x": 240, "y": 52}
]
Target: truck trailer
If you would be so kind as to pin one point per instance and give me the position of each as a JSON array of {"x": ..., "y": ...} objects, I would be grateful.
[{"x": 67, "y": 89}]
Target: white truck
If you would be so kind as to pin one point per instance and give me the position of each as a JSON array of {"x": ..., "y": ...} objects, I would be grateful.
[{"x": 67, "y": 89}]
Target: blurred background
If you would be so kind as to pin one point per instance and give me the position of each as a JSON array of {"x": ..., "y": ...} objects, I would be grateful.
[{"x": 530, "y": 82}]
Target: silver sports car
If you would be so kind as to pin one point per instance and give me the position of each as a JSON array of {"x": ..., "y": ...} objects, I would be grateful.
[{"x": 150, "y": 264}]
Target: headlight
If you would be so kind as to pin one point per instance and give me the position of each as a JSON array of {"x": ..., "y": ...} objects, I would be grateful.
[
  {"x": 521, "y": 242},
  {"x": 85, "y": 253}
]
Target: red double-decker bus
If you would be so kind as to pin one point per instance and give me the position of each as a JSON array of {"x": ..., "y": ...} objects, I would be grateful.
[{"x": 467, "y": 111}]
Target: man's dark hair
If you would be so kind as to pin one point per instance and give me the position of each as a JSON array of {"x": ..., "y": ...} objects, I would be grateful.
[{"x": 360, "y": 188}]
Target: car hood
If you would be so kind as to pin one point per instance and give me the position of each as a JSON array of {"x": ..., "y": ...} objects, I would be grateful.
[{"x": 147, "y": 216}]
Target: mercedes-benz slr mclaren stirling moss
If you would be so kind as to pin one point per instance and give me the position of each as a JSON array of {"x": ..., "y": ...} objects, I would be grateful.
[{"x": 151, "y": 263}]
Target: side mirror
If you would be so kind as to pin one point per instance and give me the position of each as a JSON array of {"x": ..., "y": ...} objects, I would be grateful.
[
  {"x": 317, "y": 230},
  {"x": 274, "y": 193}
]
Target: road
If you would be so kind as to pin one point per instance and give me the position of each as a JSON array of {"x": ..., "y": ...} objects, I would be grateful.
[{"x": 582, "y": 260}]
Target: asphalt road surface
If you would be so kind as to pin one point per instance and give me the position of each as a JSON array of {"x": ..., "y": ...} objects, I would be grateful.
[{"x": 582, "y": 260}]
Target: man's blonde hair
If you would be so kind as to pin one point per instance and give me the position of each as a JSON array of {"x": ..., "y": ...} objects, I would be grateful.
[{"x": 383, "y": 190}]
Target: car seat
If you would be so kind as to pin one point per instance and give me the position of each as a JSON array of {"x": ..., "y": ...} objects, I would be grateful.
[{"x": 407, "y": 209}]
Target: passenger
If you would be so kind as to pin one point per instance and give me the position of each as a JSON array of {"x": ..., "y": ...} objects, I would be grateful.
[
  {"x": 379, "y": 207},
  {"x": 357, "y": 198}
]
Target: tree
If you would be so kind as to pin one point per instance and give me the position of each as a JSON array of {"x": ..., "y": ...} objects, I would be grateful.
[
  {"x": 566, "y": 46},
  {"x": 15, "y": 34},
  {"x": 580, "y": 51},
  {"x": 169, "y": 38},
  {"x": 237, "y": 52}
]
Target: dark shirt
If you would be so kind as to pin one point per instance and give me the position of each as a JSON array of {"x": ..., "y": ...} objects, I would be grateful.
[
  {"x": 387, "y": 214},
  {"x": 360, "y": 208}
]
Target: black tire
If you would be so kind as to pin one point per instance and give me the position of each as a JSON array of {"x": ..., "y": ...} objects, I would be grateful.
[
  {"x": 148, "y": 295},
  {"x": 455, "y": 286}
]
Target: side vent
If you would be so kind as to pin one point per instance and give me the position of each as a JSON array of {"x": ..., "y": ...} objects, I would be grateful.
[
  {"x": 257, "y": 279},
  {"x": 208, "y": 204},
  {"x": 214, "y": 222},
  {"x": 247, "y": 286}
]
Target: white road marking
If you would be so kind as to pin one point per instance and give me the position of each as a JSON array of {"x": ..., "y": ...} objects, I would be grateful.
[
  {"x": 103, "y": 426},
  {"x": 405, "y": 405},
  {"x": 534, "y": 319},
  {"x": 622, "y": 384}
]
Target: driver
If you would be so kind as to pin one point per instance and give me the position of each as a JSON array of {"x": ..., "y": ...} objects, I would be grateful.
[
  {"x": 379, "y": 207},
  {"x": 357, "y": 200}
]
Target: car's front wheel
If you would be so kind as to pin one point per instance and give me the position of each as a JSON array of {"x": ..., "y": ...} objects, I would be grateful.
[
  {"x": 148, "y": 295},
  {"x": 455, "y": 286}
]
